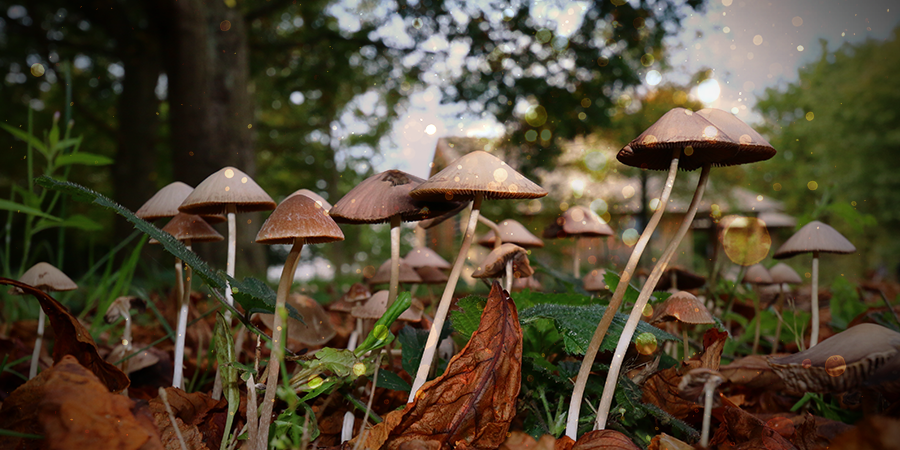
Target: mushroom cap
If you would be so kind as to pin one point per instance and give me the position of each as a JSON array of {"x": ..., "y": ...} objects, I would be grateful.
[
  {"x": 376, "y": 306},
  {"x": 46, "y": 277},
  {"x": 578, "y": 221},
  {"x": 165, "y": 202},
  {"x": 757, "y": 274},
  {"x": 316, "y": 327},
  {"x": 513, "y": 232},
  {"x": 520, "y": 284},
  {"x": 710, "y": 137},
  {"x": 383, "y": 274},
  {"x": 593, "y": 281},
  {"x": 433, "y": 222},
  {"x": 476, "y": 172},
  {"x": 228, "y": 186},
  {"x": 494, "y": 265},
  {"x": 840, "y": 363},
  {"x": 318, "y": 198},
  {"x": 431, "y": 275},
  {"x": 425, "y": 257},
  {"x": 684, "y": 279},
  {"x": 357, "y": 293},
  {"x": 190, "y": 226},
  {"x": 122, "y": 306},
  {"x": 815, "y": 237},
  {"x": 775, "y": 219},
  {"x": 783, "y": 273},
  {"x": 299, "y": 217},
  {"x": 693, "y": 383},
  {"x": 384, "y": 195},
  {"x": 683, "y": 307},
  {"x": 137, "y": 362}
]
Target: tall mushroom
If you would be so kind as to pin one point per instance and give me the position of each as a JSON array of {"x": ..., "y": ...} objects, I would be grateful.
[
  {"x": 724, "y": 140},
  {"x": 187, "y": 228},
  {"x": 475, "y": 176},
  {"x": 757, "y": 275},
  {"x": 578, "y": 222},
  {"x": 782, "y": 274},
  {"x": 815, "y": 237},
  {"x": 47, "y": 278},
  {"x": 297, "y": 221}
]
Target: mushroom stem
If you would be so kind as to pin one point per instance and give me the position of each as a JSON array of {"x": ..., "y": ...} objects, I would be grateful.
[
  {"x": 181, "y": 331},
  {"x": 709, "y": 389},
  {"x": 685, "y": 339},
  {"x": 756, "y": 301},
  {"x": 576, "y": 260},
  {"x": 420, "y": 236},
  {"x": 279, "y": 329},
  {"x": 814, "y": 335},
  {"x": 778, "y": 307},
  {"x": 498, "y": 241},
  {"x": 446, "y": 297},
  {"x": 179, "y": 282},
  {"x": 509, "y": 275},
  {"x": 395, "y": 259},
  {"x": 628, "y": 331},
  {"x": 231, "y": 210},
  {"x": 347, "y": 427},
  {"x": 616, "y": 301},
  {"x": 38, "y": 342}
]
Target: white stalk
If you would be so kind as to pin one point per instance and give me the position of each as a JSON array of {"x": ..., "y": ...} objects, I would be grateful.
[
  {"x": 576, "y": 259},
  {"x": 231, "y": 210},
  {"x": 181, "y": 331},
  {"x": 38, "y": 342},
  {"x": 347, "y": 427},
  {"x": 395, "y": 259},
  {"x": 814, "y": 335},
  {"x": 709, "y": 390},
  {"x": 509, "y": 275}
]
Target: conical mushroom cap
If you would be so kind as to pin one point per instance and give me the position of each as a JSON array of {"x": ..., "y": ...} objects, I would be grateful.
[
  {"x": 383, "y": 274},
  {"x": 190, "y": 226},
  {"x": 684, "y": 279},
  {"x": 578, "y": 221},
  {"x": 166, "y": 201},
  {"x": 425, "y": 257},
  {"x": 318, "y": 198},
  {"x": 840, "y": 363},
  {"x": 757, "y": 274},
  {"x": 775, "y": 219},
  {"x": 494, "y": 265},
  {"x": 752, "y": 146},
  {"x": 382, "y": 196},
  {"x": 299, "y": 217},
  {"x": 683, "y": 307},
  {"x": 594, "y": 281},
  {"x": 520, "y": 284},
  {"x": 513, "y": 232},
  {"x": 783, "y": 273},
  {"x": 46, "y": 277},
  {"x": 815, "y": 237},
  {"x": 357, "y": 293},
  {"x": 475, "y": 172},
  {"x": 376, "y": 306},
  {"x": 316, "y": 327},
  {"x": 431, "y": 275},
  {"x": 228, "y": 186}
]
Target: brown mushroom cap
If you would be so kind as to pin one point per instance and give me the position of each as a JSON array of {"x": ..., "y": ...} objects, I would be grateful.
[
  {"x": 693, "y": 383},
  {"x": 578, "y": 221},
  {"x": 134, "y": 363},
  {"x": 318, "y": 198},
  {"x": 683, "y": 307},
  {"x": 783, "y": 273},
  {"x": 815, "y": 237},
  {"x": 383, "y": 274},
  {"x": 752, "y": 146},
  {"x": 299, "y": 217},
  {"x": 228, "y": 186},
  {"x": 494, "y": 265},
  {"x": 520, "y": 284},
  {"x": 382, "y": 196},
  {"x": 775, "y": 219},
  {"x": 431, "y": 275},
  {"x": 513, "y": 232},
  {"x": 190, "y": 226},
  {"x": 430, "y": 223},
  {"x": 357, "y": 293},
  {"x": 840, "y": 363},
  {"x": 475, "y": 172},
  {"x": 425, "y": 257},
  {"x": 376, "y": 306},
  {"x": 47, "y": 278},
  {"x": 757, "y": 274},
  {"x": 593, "y": 281},
  {"x": 166, "y": 201},
  {"x": 316, "y": 327},
  {"x": 684, "y": 279}
]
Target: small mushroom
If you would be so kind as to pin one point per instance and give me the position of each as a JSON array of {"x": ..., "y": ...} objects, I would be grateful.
[
  {"x": 594, "y": 281},
  {"x": 578, "y": 222},
  {"x": 520, "y": 284},
  {"x": 318, "y": 198},
  {"x": 697, "y": 383},
  {"x": 683, "y": 307},
  {"x": 405, "y": 274},
  {"x": 121, "y": 308},
  {"x": 508, "y": 260},
  {"x": 47, "y": 278},
  {"x": 513, "y": 232},
  {"x": 376, "y": 306},
  {"x": 358, "y": 292},
  {"x": 424, "y": 256}
]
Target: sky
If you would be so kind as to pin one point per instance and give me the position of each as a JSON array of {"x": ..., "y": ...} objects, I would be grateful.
[{"x": 749, "y": 45}]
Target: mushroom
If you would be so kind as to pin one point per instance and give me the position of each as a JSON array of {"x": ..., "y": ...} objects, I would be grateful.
[
  {"x": 425, "y": 257},
  {"x": 508, "y": 260},
  {"x": 298, "y": 220},
  {"x": 683, "y": 307},
  {"x": 47, "y": 278},
  {"x": 782, "y": 274},
  {"x": 701, "y": 382},
  {"x": 520, "y": 284},
  {"x": 316, "y": 327},
  {"x": 706, "y": 138},
  {"x": 405, "y": 273},
  {"x": 187, "y": 228},
  {"x": 431, "y": 275},
  {"x": 318, "y": 198},
  {"x": 377, "y": 305},
  {"x": 757, "y": 275},
  {"x": 815, "y": 237},
  {"x": 513, "y": 232},
  {"x": 678, "y": 278},
  {"x": 594, "y": 280},
  {"x": 358, "y": 292},
  {"x": 121, "y": 307},
  {"x": 385, "y": 197},
  {"x": 475, "y": 176},
  {"x": 578, "y": 222}
]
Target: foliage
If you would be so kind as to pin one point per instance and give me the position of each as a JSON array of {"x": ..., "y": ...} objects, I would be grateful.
[{"x": 845, "y": 303}]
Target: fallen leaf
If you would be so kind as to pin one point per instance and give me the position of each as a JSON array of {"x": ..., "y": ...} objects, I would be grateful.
[
  {"x": 742, "y": 430},
  {"x": 200, "y": 419},
  {"x": 753, "y": 372},
  {"x": 604, "y": 439},
  {"x": 519, "y": 440},
  {"x": 564, "y": 443},
  {"x": 665, "y": 442},
  {"x": 73, "y": 339},
  {"x": 472, "y": 403},
  {"x": 871, "y": 433},
  {"x": 70, "y": 407}
]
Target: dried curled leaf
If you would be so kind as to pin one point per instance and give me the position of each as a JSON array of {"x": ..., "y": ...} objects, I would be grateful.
[
  {"x": 742, "y": 430},
  {"x": 73, "y": 339},
  {"x": 472, "y": 403},
  {"x": 200, "y": 419},
  {"x": 604, "y": 439}
]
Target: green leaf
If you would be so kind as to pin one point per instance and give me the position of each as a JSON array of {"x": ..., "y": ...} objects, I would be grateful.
[
  {"x": 35, "y": 142},
  {"x": 380, "y": 334},
  {"x": 338, "y": 361},
  {"x": 74, "y": 221},
  {"x": 612, "y": 280},
  {"x": 53, "y": 138},
  {"x": 466, "y": 319},
  {"x": 66, "y": 143},
  {"x": 412, "y": 341},
  {"x": 392, "y": 381},
  {"x": 257, "y": 297},
  {"x": 20, "y": 208},
  {"x": 224, "y": 345},
  {"x": 87, "y": 159}
]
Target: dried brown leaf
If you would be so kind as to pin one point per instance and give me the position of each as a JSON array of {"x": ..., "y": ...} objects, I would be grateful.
[
  {"x": 472, "y": 403},
  {"x": 871, "y": 433},
  {"x": 604, "y": 439},
  {"x": 73, "y": 339},
  {"x": 199, "y": 417},
  {"x": 519, "y": 440},
  {"x": 742, "y": 430},
  {"x": 665, "y": 442}
]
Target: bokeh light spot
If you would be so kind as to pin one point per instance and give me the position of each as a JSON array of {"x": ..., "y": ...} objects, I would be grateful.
[
  {"x": 630, "y": 237},
  {"x": 646, "y": 343},
  {"x": 810, "y": 116},
  {"x": 812, "y": 185},
  {"x": 653, "y": 77},
  {"x": 37, "y": 69},
  {"x": 835, "y": 365},
  {"x": 746, "y": 239},
  {"x": 225, "y": 25},
  {"x": 229, "y": 173},
  {"x": 776, "y": 187},
  {"x": 757, "y": 40}
]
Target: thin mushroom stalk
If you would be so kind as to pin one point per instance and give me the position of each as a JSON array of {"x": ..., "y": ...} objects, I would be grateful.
[
  {"x": 395, "y": 259},
  {"x": 616, "y": 301},
  {"x": 444, "y": 306},
  {"x": 756, "y": 333},
  {"x": 181, "y": 331},
  {"x": 709, "y": 392},
  {"x": 576, "y": 259},
  {"x": 778, "y": 308},
  {"x": 498, "y": 241},
  {"x": 635, "y": 316},
  {"x": 509, "y": 275},
  {"x": 814, "y": 334},
  {"x": 229, "y": 297},
  {"x": 38, "y": 342}
]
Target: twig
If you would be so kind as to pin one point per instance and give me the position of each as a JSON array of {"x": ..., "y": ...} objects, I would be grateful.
[
  {"x": 364, "y": 431},
  {"x": 165, "y": 400}
]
